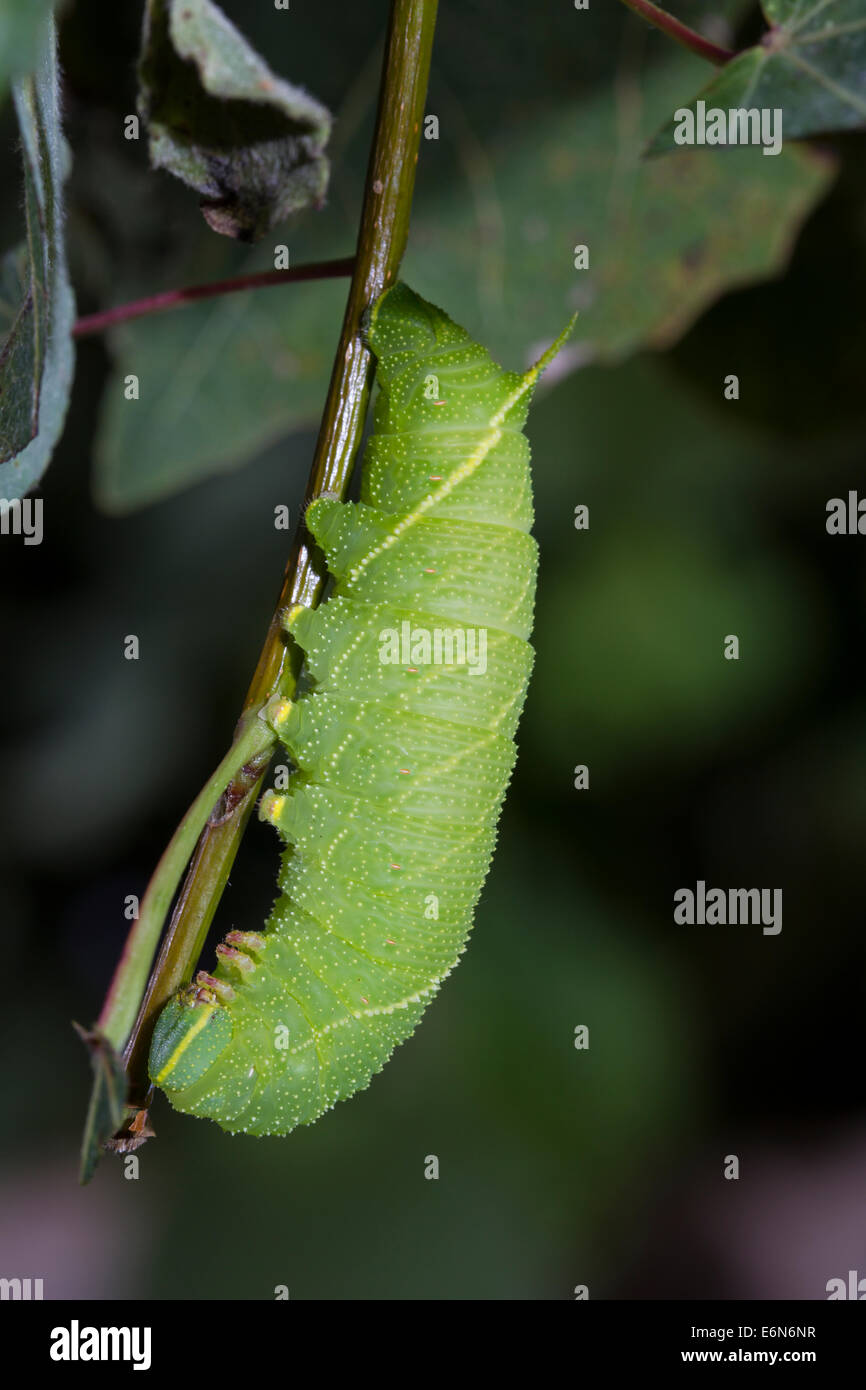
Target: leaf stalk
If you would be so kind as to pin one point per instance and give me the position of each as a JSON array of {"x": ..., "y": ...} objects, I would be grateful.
[{"x": 681, "y": 33}]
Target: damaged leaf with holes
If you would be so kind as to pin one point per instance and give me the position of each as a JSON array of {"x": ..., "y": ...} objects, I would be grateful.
[{"x": 249, "y": 143}]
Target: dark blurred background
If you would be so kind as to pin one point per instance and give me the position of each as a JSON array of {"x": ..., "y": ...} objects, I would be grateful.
[{"x": 558, "y": 1167}]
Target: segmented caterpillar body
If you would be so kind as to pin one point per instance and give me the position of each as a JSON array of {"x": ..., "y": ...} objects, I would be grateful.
[{"x": 402, "y": 746}]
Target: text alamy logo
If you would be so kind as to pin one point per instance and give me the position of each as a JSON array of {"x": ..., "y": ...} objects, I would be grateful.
[
  {"x": 439, "y": 646},
  {"x": 854, "y": 1287},
  {"x": 729, "y": 907},
  {"x": 738, "y": 126},
  {"x": 77, "y": 1343},
  {"x": 22, "y": 1290}
]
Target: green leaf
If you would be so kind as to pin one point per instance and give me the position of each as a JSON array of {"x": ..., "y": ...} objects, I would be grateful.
[
  {"x": 219, "y": 381},
  {"x": 21, "y": 29},
  {"x": 106, "y": 1110},
  {"x": 37, "y": 308},
  {"x": 811, "y": 65},
  {"x": 249, "y": 143},
  {"x": 665, "y": 237},
  {"x": 493, "y": 232}
]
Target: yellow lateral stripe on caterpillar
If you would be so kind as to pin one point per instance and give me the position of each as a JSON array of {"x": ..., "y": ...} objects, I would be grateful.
[{"x": 204, "y": 1012}]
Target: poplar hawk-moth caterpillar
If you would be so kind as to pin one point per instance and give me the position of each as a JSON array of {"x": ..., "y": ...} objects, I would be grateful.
[{"x": 402, "y": 744}]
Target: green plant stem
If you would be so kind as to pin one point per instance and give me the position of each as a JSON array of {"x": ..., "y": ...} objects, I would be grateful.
[
  {"x": 89, "y": 324},
  {"x": 381, "y": 242},
  {"x": 675, "y": 29},
  {"x": 124, "y": 995},
  {"x": 207, "y": 876}
]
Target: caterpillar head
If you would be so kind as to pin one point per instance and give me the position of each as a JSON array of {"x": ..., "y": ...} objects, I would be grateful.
[{"x": 189, "y": 1036}]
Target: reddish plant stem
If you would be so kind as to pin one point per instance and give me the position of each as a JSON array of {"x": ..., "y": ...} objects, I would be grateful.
[
  {"x": 170, "y": 299},
  {"x": 675, "y": 29}
]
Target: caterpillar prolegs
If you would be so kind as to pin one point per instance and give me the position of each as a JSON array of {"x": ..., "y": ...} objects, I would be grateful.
[{"x": 402, "y": 744}]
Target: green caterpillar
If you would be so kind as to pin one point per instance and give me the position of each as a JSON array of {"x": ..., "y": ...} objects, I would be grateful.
[{"x": 402, "y": 745}]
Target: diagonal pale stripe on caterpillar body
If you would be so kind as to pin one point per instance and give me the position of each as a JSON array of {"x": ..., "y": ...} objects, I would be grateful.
[{"x": 402, "y": 744}]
